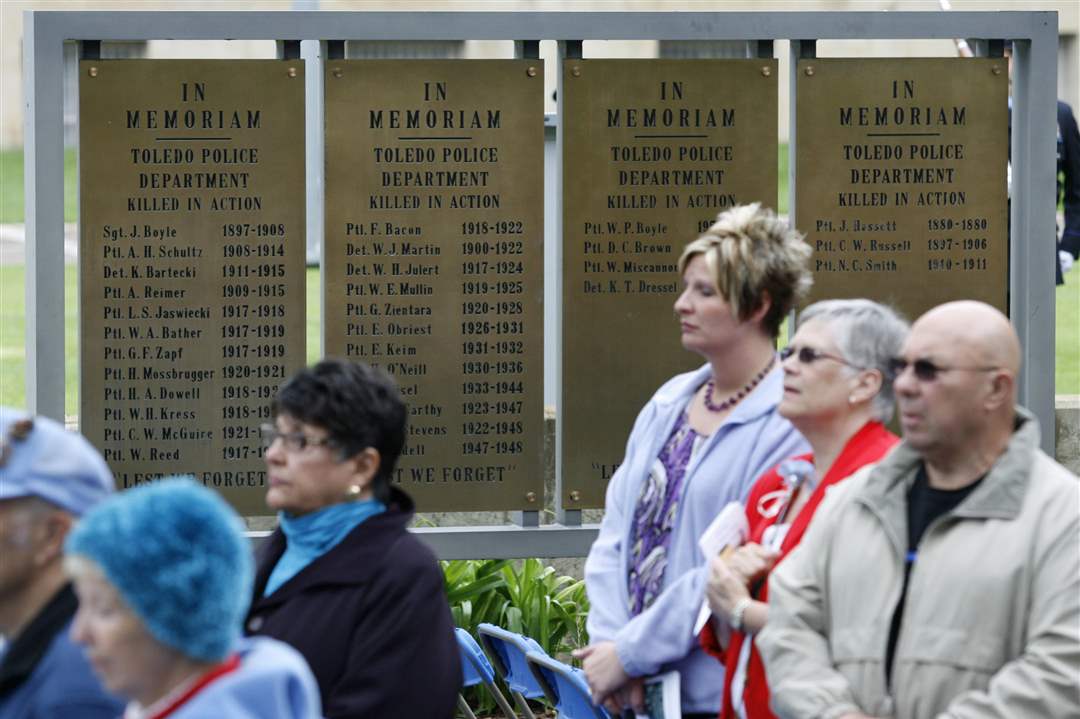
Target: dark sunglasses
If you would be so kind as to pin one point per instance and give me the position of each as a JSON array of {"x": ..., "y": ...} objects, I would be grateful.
[
  {"x": 809, "y": 355},
  {"x": 925, "y": 370}
]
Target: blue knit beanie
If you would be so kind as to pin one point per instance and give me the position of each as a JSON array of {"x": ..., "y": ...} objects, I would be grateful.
[{"x": 176, "y": 552}]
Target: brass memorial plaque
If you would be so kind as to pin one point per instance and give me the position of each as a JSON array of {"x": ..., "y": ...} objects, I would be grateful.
[
  {"x": 434, "y": 264},
  {"x": 191, "y": 257},
  {"x": 901, "y": 179},
  {"x": 653, "y": 151}
]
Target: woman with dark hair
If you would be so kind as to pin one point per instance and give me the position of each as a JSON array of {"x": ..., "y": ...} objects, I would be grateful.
[
  {"x": 341, "y": 579},
  {"x": 697, "y": 445}
]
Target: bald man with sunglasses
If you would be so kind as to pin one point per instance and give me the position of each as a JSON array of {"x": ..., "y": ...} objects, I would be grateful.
[{"x": 944, "y": 582}]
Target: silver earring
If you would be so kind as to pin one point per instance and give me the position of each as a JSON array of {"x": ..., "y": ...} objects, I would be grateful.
[{"x": 353, "y": 491}]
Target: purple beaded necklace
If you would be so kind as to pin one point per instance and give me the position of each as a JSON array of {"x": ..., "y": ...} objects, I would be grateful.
[{"x": 734, "y": 399}]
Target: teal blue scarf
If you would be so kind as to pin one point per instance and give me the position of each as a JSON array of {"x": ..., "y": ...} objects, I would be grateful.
[{"x": 312, "y": 535}]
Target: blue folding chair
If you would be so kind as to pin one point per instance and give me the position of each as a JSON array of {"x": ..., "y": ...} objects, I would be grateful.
[
  {"x": 565, "y": 687},
  {"x": 476, "y": 669},
  {"x": 507, "y": 651}
]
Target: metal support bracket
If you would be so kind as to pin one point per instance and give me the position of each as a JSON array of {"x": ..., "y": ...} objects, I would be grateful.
[
  {"x": 288, "y": 49},
  {"x": 90, "y": 49}
]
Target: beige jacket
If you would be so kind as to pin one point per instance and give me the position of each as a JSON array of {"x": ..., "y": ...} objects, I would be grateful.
[{"x": 991, "y": 625}]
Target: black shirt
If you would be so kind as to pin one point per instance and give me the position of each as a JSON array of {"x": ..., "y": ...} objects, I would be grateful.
[{"x": 924, "y": 505}]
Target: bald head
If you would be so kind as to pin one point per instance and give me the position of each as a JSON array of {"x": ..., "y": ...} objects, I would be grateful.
[
  {"x": 977, "y": 330},
  {"x": 966, "y": 402}
]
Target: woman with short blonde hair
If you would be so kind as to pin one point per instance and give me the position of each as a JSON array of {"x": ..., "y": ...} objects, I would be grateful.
[
  {"x": 752, "y": 254},
  {"x": 698, "y": 444}
]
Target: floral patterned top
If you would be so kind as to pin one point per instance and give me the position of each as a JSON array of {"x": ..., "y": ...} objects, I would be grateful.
[{"x": 655, "y": 514}]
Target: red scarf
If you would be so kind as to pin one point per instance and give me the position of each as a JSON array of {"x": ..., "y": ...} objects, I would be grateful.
[
  {"x": 869, "y": 444},
  {"x": 229, "y": 665}
]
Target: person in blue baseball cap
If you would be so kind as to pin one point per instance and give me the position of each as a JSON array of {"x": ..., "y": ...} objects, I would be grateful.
[
  {"x": 163, "y": 573},
  {"x": 49, "y": 477}
]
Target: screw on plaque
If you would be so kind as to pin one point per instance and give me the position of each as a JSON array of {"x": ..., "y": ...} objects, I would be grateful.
[
  {"x": 996, "y": 70},
  {"x": 92, "y": 71},
  {"x": 766, "y": 71},
  {"x": 809, "y": 70},
  {"x": 338, "y": 72},
  {"x": 575, "y": 71},
  {"x": 530, "y": 497},
  {"x": 292, "y": 72},
  {"x": 575, "y": 496},
  {"x": 531, "y": 72}
]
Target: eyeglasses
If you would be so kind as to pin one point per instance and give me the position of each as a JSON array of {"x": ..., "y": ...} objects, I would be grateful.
[
  {"x": 293, "y": 441},
  {"x": 809, "y": 355},
  {"x": 927, "y": 371}
]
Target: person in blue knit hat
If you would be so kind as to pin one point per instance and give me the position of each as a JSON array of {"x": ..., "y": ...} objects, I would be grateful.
[
  {"x": 48, "y": 478},
  {"x": 163, "y": 574}
]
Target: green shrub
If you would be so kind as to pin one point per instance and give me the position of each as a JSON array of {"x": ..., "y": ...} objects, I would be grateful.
[
  {"x": 524, "y": 597},
  {"x": 473, "y": 590}
]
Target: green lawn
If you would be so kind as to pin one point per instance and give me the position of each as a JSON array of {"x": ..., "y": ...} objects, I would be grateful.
[
  {"x": 13, "y": 339},
  {"x": 1067, "y": 335},
  {"x": 11, "y": 186}
]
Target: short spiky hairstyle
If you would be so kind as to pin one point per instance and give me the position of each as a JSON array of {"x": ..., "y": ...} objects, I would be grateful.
[
  {"x": 358, "y": 405},
  {"x": 751, "y": 253}
]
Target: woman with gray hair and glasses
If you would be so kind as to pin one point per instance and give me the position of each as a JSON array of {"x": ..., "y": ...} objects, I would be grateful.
[{"x": 838, "y": 393}]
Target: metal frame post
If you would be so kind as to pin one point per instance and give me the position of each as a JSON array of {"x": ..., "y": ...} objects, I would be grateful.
[
  {"x": 568, "y": 50},
  {"x": 797, "y": 50},
  {"x": 1032, "y": 222},
  {"x": 43, "y": 182},
  {"x": 527, "y": 50},
  {"x": 311, "y": 51}
]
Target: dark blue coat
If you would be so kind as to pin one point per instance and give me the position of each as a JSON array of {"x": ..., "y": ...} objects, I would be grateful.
[
  {"x": 371, "y": 619},
  {"x": 44, "y": 675},
  {"x": 1068, "y": 167}
]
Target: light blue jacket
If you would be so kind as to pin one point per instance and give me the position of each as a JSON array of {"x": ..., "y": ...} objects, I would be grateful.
[
  {"x": 751, "y": 440},
  {"x": 272, "y": 682}
]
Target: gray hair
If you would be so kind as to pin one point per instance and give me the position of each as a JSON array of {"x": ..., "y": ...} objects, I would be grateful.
[{"x": 868, "y": 335}]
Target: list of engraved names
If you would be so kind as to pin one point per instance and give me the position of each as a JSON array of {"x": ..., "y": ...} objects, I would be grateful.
[
  {"x": 191, "y": 262},
  {"x": 435, "y": 265}
]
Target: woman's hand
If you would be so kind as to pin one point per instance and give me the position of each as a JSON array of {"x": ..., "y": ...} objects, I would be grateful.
[
  {"x": 751, "y": 562},
  {"x": 606, "y": 676},
  {"x": 724, "y": 589},
  {"x": 730, "y": 579},
  {"x": 630, "y": 697}
]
